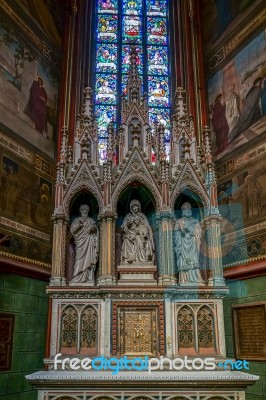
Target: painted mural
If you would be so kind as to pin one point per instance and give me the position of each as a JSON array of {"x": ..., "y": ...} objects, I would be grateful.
[
  {"x": 25, "y": 197},
  {"x": 223, "y": 17},
  {"x": 237, "y": 98},
  {"x": 28, "y": 92},
  {"x": 47, "y": 14},
  {"x": 242, "y": 203}
]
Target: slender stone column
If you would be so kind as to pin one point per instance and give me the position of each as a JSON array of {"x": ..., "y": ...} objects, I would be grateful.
[
  {"x": 106, "y": 260},
  {"x": 212, "y": 224},
  {"x": 59, "y": 251},
  {"x": 166, "y": 252}
]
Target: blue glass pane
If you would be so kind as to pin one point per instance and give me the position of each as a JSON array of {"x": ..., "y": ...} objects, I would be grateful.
[
  {"x": 107, "y": 28},
  {"x": 157, "y": 60},
  {"x": 104, "y": 114},
  {"x": 105, "y": 88},
  {"x": 132, "y": 7},
  {"x": 126, "y": 58},
  {"x": 158, "y": 91},
  {"x": 160, "y": 116},
  {"x": 156, "y": 30},
  {"x": 106, "y": 58},
  {"x": 167, "y": 149},
  {"x": 107, "y": 6},
  {"x": 156, "y": 7},
  {"x": 132, "y": 29}
]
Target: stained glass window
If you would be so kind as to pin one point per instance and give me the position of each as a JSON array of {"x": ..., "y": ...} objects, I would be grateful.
[{"x": 121, "y": 24}]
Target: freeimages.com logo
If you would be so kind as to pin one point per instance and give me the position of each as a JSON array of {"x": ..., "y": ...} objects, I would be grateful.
[{"x": 147, "y": 364}]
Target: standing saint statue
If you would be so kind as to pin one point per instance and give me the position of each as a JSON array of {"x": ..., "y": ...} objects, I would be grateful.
[
  {"x": 188, "y": 234},
  {"x": 138, "y": 244},
  {"x": 86, "y": 238}
]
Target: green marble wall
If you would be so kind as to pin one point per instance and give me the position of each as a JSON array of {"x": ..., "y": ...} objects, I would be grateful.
[
  {"x": 246, "y": 291},
  {"x": 26, "y": 299}
]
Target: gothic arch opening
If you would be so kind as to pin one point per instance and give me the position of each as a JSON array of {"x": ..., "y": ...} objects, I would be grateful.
[
  {"x": 206, "y": 331},
  {"x": 89, "y": 331},
  {"x": 69, "y": 330},
  {"x": 196, "y": 203},
  {"x": 186, "y": 331},
  {"x": 197, "y": 209},
  {"x": 135, "y": 191},
  {"x": 84, "y": 197}
]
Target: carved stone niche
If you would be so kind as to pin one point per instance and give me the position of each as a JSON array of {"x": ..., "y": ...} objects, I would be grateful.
[
  {"x": 78, "y": 248},
  {"x": 194, "y": 273},
  {"x": 196, "y": 329},
  {"x": 79, "y": 329},
  {"x": 135, "y": 241}
]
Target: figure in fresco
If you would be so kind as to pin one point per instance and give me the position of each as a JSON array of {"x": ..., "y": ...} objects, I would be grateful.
[
  {"x": 86, "y": 238},
  {"x": 251, "y": 111},
  {"x": 249, "y": 194},
  {"x": 12, "y": 190},
  {"x": 4, "y": 187},
  {"x": 43, "y": 210},
  {"x": 138, "y": 244},
  {"x": 219, "y": 123},
  {"x": 187, "y": 240},
  {"x": 232, "y": 107},
  {"x": 38, "y": 109}
]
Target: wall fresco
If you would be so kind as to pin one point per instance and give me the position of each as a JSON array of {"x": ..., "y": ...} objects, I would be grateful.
[
  {"x": 25, "y": 196},
  {"x": 223, "y": 18},
  {"x": 237, "y": 98},
  {"x": 28, "y": 92}
]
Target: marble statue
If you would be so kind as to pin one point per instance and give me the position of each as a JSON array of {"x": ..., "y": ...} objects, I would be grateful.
[
  {"x": 138, "y": 244},
  {"x": 188, "y": 234},
  {"x": 86, "y": 238}
]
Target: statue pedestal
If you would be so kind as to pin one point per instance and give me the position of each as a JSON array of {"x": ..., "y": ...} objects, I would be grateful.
[{"x": 137, "y": 274}]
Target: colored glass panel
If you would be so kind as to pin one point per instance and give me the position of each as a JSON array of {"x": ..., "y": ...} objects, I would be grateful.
[
  {"x": 105, "y": 89},
  {"x": 156, "y": 30},
  {"x": 132, "y": 29},
  {"x": 159, "y": 116},
  {"x": 106, "y": 58},
  {"x": 102, "y": 145},
  {"x": 156, "y": 7},
  {"x": 158, "y": 91},
  {"x": 157, "y": 60},
  {"x": 144, "y": 24},
  {"x": 133, "y": 7},
  {"x": 104, "y": 114},
  {"x": 107, "y": 6},
  {"x": 107, "y": 28},
  {"x": 126, "y": 58}
]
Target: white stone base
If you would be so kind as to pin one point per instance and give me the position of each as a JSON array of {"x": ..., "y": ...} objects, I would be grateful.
[
  {"x": 163, "y": 384},
  {"x": 137, "y": 274},
  {"x": 85, "y": 284}
]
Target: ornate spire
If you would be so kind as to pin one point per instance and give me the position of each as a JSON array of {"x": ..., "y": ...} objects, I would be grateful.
[
  {"x": 110, "y": 141},
  {"x": 87, "y": 107},
  {"x": 134, "y": 80}
]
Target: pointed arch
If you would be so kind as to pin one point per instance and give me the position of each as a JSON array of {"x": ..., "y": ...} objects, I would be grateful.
[{"x": 83, "y": 179}]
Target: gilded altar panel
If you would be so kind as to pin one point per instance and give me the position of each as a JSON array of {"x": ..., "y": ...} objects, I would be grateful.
[{"x": 138, "y": 329}]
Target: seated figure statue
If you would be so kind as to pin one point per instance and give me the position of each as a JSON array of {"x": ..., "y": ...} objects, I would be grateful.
[
  {"x": 138, "y": 244},
  {"x": 86, "y": 238},
  {"x": 187, "y": 240}
]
